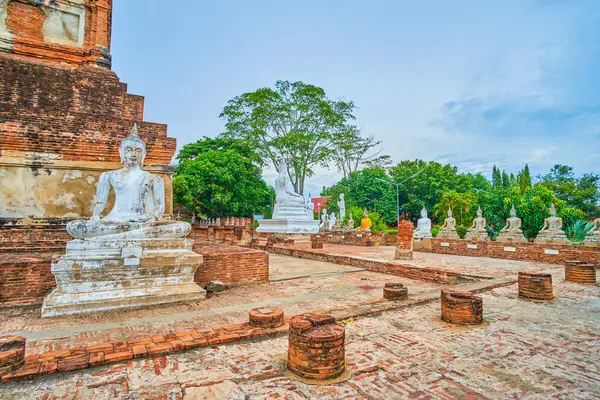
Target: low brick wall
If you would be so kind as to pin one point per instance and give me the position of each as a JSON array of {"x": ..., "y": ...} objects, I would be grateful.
[
  {"x": 234, "y": 235},
  {"x": 391, "y": 268},
  {"x": 351, "y": 238},
  {"x": 548, "y": 253},
  {"x": 230, "y": 264}
]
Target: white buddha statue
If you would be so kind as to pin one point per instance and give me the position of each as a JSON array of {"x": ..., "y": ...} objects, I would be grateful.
[
  {"x": 139, "y": 201},
  {"x": 552, "y": 229},
  {"x": 423, "y": 226},
  {"x": 593, "y": 234},
  {"x": 512, "y": 231},
  {"x": 289, "y": 204},
  {"x": 324, "y": 225},
  {"x": 332, "y": 221},
  {"x": 448, "y": 229},
  {"x": 478, "y": 229},
  {"x": 342, "y": 207}
]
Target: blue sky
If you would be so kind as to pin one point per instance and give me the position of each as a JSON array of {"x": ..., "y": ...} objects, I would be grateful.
[{"x": 472, "y": 83}]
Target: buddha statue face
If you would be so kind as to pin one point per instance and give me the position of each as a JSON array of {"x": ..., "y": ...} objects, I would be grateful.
[
  {"x": 513, "y": 212},
  {"x": 479, "y": 212},
  {"x": 423, "y": 213},
  {"x": 341, "y": 196},
  {"x": 552, "y": 211},
  {"x": 449, "y": 213},
  {"x": 133, "y": 149}
]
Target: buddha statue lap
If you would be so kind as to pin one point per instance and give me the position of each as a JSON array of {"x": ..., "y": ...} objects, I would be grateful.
[
  {"x": 478, "y": 231},
  {"x": 121, "y": 260},
  {"x": 448, "y": 229},
  {"x": 512, "y": 231},
  {"x": 552, "y": 229},
  {"x": 423, "y": 229}
]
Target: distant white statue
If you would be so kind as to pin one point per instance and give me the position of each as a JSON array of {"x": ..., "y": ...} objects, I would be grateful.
[
  {"x": 423, "y": 226},
  {"x": 324, "y": 220},
  {"x": 294, "y": 204},
  {"x": 342, "y": 207},
  {"x": 332, "y": 221},
  {"x": 552, "y": 229}
]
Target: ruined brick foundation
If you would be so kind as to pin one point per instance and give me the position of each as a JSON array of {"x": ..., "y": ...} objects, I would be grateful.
[
  {"x": 535, "y": 286},
  {"x": 461, "y": 308}
]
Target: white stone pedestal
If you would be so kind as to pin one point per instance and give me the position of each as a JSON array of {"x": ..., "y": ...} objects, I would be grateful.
[
  {"x": 288, "y": 226},
  {"x": 98, "y": 275}
]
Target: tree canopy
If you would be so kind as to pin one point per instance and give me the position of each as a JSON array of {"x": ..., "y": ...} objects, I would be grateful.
[{"x": 221, "y": 178}]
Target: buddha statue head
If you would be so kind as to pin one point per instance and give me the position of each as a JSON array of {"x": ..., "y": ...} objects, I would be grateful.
[
  {"x": 366, "y": 213},
  {"x": 341, "y": 196},
  {"x": 133, "y": 149},
  {"x": 479, "y": 212},
  {"x": 552, "y": 210},
  {"x": 513, "y": 212},
  {"x": 449, "y": 212},
  {"x": 424, "y": 212}
]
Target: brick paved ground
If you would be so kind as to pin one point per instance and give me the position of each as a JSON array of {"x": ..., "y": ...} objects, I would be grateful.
[
  {"x": 524, "y": 350},
  {"x": 326, "y": 286}
]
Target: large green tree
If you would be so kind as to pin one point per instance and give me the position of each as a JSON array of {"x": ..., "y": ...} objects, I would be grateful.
[
  {"x": 295, "y": 121},
  {"x": 221, "y": 178},
  {"x": 352, "y": 150}
]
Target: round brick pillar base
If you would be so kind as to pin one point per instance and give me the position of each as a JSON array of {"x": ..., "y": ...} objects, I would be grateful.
[
  {"x": 267, "y": 317},
  {"x": 395, "y": 291},
  {"x": 461, "y": 308},
  {"x": 316, "y": 347},
  {"x": 580, "y": 273},
  {"x": 537, "y": 287},
  {"x": 12, "y": 354}
]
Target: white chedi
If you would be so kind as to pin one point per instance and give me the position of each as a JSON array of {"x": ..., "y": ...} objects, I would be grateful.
[{"x": 423, "y": 229}]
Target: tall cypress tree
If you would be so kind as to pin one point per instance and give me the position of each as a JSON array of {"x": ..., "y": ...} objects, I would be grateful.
[
  {"x": 496, "y": 178},
  {"x": 505, "y": 179},
  {"x": 525, "y": 179}
]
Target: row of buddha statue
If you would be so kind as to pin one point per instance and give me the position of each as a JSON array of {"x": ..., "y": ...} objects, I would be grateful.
[{"x": 511, "y": 232}]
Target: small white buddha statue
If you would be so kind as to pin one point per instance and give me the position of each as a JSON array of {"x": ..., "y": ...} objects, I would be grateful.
[
  {"x": 552, "y": 229},
  {"x": 342, "y": 207},
  {"x": 423, "y": 226},
  {"x": 477, "y": 229},
  {"x": 332, "y": 221},
  {"x": 448, "y": 229},
  {"x": 324, "y": 225},
  {"x": 512, "y": 231}
]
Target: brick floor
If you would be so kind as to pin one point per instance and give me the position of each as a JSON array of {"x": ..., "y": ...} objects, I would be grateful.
[{"x": 524, "y": 350}]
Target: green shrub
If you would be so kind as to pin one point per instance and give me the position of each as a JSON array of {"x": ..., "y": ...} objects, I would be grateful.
[
  {"x": 580, "y": 230},
  {"x": 392, "y": 231},
  {"x": 435, "y": 229},
  {"x": 462, "y": 231}
]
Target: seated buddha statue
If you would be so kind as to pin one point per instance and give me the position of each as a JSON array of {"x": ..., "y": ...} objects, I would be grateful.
[
  {"x": 552, "y": 229},
  {"x": 350, "y": 224},
  {"x": 477, "y": 229},
  {"x": 139, "y": 201},
  {"x": 448, "y": 229},
  {"x": 423, "y": 226},
  {"x": 512, "y": 231},
  {"x": 593, "y": 234},
  {"x": 365, "y": 223}
]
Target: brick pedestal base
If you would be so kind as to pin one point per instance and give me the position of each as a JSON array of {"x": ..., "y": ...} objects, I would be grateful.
[
  {"x": 316, "y": 244},
  {"x": 580, "y": 273},
  {"x": 404, "y": 246},
  {"x": 537, "y": 287},
  {"x": 268, "y": 317},
  {"x": 12, "y": 354},
  {"x": 316, "y": 347},
  {"x": 395, "y": 291},
  {"x": 461, "y": 308}
]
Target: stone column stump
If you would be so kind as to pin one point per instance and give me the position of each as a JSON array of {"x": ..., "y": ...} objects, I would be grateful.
[
  {"x": 404, "y": 246},
  {"x": 316, "y": 347},
  {"x": 536, "y": 287},
  {"x": 395, "y": 291},
  {"x": 583, "y": 273},
  {"x": 266, "y": 318},
  {"x": 12, "y": 354},
  {"x": 461, "y": 308}
]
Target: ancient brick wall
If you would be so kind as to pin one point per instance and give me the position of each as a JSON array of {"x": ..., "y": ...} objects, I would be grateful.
[
  {"x": 234, "y": 235},
  {"x": 232, "y": 265},
  {"x": 75, "y": 32},
  {"x": 351, "y": 238},
  {"x": 548, "y": 253}
]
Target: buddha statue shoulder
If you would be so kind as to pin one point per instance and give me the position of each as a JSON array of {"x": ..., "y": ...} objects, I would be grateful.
[{"x": 139, "y": 201}]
